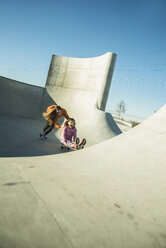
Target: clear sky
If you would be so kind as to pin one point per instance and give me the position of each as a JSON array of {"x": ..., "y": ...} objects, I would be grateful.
[{"x": 31, "y": 31}]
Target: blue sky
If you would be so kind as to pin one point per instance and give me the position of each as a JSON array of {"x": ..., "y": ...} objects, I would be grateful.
[{"x": 31, "y": 31}]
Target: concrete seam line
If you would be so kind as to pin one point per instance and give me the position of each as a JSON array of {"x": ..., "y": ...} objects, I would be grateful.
[
  {"x": 44, "y": 203},
  {"x": 56, "y": 220}
]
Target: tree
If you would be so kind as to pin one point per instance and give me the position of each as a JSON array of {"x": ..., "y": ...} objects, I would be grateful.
[{"x": 121, "y": 108}]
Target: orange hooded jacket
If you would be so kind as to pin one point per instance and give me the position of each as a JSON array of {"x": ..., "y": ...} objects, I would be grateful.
[{"x": 64, "y": 113}]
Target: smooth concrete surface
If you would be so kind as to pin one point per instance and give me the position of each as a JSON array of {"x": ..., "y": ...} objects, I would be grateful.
[
  {"x": 123, "y": 125},
  {"x": 20, "y": 99},
  {"x": 84, "y": 74},
  {"x": 111, "y": 194},
  {"x": 108, "y": 195},
  {"x": 82, "y": 85}
]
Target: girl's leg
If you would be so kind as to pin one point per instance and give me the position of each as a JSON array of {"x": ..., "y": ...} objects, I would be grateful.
[
  {"x": 47, "y": 126},
  {"x": 48, "y": 129},
  {"x": 68, "y": 143},
  {"x": 76, "y": 146}
]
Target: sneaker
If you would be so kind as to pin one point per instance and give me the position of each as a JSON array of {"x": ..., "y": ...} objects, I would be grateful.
[
  {"x": 76, "y": 142},
  {"x": 83, "y": 142},
  {"x": 41, "y": 134},
  {"x": 77, "y": 147}
]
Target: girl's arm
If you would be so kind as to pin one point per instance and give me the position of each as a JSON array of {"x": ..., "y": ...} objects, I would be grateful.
[
  {"x": 57, "y": 125},
  {"x": 75, "y": 134},
  {"x": 65, "y": 114},
  {"x": 63, "y": 136}
]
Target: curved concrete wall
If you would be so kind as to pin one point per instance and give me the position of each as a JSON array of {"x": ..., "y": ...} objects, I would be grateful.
[
  {"x": 84, "y": 74},
  {"x": 20, "y": 99},
  {"x": 81, "y": 86}
]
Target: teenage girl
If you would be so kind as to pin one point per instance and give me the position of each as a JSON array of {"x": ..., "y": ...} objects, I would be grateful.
[
  {"x": 69, "y": 135},
  {"x": 53, "y": 113}
]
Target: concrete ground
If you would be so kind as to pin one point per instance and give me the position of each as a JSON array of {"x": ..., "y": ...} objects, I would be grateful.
[
  {"x": 108, "y": 195},
  {"x": 111, "y": 194}
]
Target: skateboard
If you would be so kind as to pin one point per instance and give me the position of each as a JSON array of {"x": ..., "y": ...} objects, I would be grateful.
[
  {"x": 70, "y": 148},
  {"x": 78, "y": 146}
]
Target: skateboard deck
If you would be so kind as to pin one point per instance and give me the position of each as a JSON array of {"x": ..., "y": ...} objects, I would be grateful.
[{"x": 70, "y": 148}]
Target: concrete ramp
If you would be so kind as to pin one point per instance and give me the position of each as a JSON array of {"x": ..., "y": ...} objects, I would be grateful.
[
  {"x": 21, "y": 106},
  {"x": 81, "y": 85},
  {"x": 111, "y": 194}
]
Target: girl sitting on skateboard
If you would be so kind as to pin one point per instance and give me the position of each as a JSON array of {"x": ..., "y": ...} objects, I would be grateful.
[
  {"x": 53, "y": 113},
  {"x": 69, "y": 135}
]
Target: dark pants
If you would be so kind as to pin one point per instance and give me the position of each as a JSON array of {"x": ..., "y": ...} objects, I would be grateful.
[{"x": 48, "y": 128}]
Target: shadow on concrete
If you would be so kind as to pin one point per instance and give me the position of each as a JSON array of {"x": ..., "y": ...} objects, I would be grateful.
[
  {"x": 22, "y": 122},
  {"x": 20, "y": 138},
  {"x": 114, "y": 127}
]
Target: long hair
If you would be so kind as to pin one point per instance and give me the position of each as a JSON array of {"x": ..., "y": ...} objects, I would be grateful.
[
  {"x": 50, "y": 116},
  {"x": 66, "y": 124}
]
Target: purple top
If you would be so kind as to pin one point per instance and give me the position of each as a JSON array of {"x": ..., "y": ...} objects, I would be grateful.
[{"x": 68, "y": 134}]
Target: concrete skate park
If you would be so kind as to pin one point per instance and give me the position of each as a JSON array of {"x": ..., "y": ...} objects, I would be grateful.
[{"x": 110, "y": 194}]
